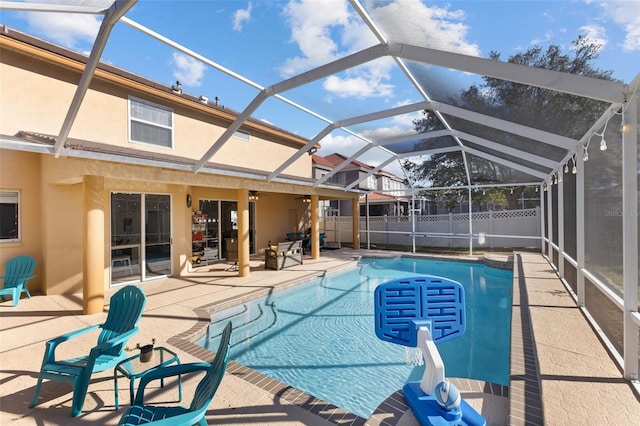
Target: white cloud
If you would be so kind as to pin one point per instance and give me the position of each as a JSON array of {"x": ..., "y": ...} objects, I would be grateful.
[
  {"x": 358, "y": 86},
  {"x": 548, "y": 37},
  {"x": 436, "y": 27},
  {"x": 345, "y": 145},
  {"x": 314, "y": 32},
  {"x": 625, "y": 13},
  {"x": 241, "y": 16},
  {"x": 65, "y": 28},
  {"x": 595, "y": 33},
  {"x": 187, "y": 69},
  {"x": 324, "y": 37}
]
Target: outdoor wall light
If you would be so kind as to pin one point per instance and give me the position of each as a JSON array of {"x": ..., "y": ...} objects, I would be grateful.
[
  {"x": 253, "y": 195},
  {"x": 306, "y": 199}
]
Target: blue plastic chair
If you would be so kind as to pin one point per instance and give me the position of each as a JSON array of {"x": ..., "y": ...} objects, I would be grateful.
[
  {"x": 18, "y": 271},
  {"x": 139, "y": 413},
  {"x": 125, "y": 310}
]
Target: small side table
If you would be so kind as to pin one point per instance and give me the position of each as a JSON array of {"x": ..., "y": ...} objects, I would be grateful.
[{"x": 134, "y": 369}]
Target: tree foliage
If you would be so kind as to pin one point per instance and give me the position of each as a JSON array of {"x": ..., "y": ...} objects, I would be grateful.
[{"x": 556, "y": 112}]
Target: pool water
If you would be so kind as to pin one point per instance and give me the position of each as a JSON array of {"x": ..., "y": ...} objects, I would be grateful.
[{"x": 320, "y": 337}]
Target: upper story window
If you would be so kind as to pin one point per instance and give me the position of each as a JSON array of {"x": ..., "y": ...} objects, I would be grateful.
[
  {"x": 9, "y": 216},
  {"x": 371, "y": 182},
  {"x": 391, "y": 184},
  {"x": 150, "y": 123}
]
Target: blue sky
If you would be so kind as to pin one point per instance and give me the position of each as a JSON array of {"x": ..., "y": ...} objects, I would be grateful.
[{"x": 266, "y": 41}]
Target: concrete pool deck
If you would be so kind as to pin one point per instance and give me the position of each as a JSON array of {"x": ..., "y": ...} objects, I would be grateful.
[{"x": 576, "y": 378}]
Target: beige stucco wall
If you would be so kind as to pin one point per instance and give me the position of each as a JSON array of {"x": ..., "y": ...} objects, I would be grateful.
[
  {"x": 54, "y": 197},
  {"x": 21, "y": 171},
  {"x": 37, "y": 96},
  {"x": 32, "y": 99}
]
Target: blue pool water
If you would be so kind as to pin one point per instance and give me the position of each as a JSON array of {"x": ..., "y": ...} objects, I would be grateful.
[{"x": 320, "y": 337}]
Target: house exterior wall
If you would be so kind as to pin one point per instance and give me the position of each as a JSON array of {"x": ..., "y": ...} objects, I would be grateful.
[
  {"x": 39, "y": 94},
  {"x": 20, "y": 171},
  {"x": 60, "y": 198}
]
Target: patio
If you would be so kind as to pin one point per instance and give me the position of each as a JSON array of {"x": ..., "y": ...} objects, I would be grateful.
[{"x": 560, "y": 371}]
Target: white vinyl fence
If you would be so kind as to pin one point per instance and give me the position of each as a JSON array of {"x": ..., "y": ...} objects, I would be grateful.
[{"x": 502, "y": 229}]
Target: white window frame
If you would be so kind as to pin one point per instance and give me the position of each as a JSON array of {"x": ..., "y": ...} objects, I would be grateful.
[
  {"x": 151, "y": 123},
  {"x": 11, "y": 193},
  {"x": 371, "y": 182},
  {"x": 241, "y": 134}
]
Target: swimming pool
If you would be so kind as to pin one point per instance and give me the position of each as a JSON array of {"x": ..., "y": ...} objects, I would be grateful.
[{"x": 319, "y": 337}]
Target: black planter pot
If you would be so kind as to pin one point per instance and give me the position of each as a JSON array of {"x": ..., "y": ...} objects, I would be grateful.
[{"x": 146, "y": 353}]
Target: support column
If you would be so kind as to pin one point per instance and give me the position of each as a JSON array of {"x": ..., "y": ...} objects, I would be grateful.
[
  {"x": 367, "y": 225},
  {"x": 94, "y": 229},
  {"x": 630, "y": 235},
  {"x": 181, "y": 218},
  {"x": 580, "y": 228},
  {"x": 550, "y": 222},
  {"x": 543, "y": 235},
  {"x": 243, "y": 232},
  {"x": 355, "y": 222},
  {"x": 315, "y": 228},
  {"x": 560, "y": 187}
]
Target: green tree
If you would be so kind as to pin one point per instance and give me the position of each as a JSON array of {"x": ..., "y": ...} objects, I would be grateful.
[{"x": 556, "y": 112}]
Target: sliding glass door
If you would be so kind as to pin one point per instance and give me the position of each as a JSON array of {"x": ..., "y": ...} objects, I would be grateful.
[
  {"x": 222, "y": 228},
  {"x": 157, "y": 242},
  {"x": 140, "y": 237}
]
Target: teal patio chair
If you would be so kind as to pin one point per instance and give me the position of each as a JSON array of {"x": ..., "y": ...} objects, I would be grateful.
[
  {"x": 18, "y": 271},
  {"x": 139, "y": 413},
  {"x": 125, "y": 310},
  {"x": 308, "y": 242}
]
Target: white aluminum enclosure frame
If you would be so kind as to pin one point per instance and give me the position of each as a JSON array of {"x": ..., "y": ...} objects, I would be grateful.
[{"x": 620, "y": 96}]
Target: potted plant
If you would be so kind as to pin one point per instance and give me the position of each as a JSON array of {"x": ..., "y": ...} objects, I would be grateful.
[{"x": 146, "y": 351}]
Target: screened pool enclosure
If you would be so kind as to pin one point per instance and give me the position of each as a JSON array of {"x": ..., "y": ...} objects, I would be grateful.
[{"x": 508, "y": 126}]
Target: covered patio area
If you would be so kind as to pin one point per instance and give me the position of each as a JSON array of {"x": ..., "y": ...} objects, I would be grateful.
[{"x": 560, "y": 371}]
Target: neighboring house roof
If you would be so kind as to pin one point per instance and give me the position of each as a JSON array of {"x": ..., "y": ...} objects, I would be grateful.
[
  {"x": 335, "y": 159},
  {"x": 380, "y": 197},
  {"x": 322, "y": 161}
]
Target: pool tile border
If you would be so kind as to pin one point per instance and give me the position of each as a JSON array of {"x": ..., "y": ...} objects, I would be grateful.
[
  {"x": 495, "y": 261},
  {"x": 525, "y": 403},
  {"x": 387, "y": 414}
]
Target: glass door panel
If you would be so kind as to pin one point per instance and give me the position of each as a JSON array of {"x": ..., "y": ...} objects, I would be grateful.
[
  {"x": 207, "y": 249},
  {"x": 229, "y": 229},
  {"x": 252, "y": 227},
  {"x": 126, "y": 236},
  {"x": 140, "y": 221},
  {"x": 157, "y": 235}
]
